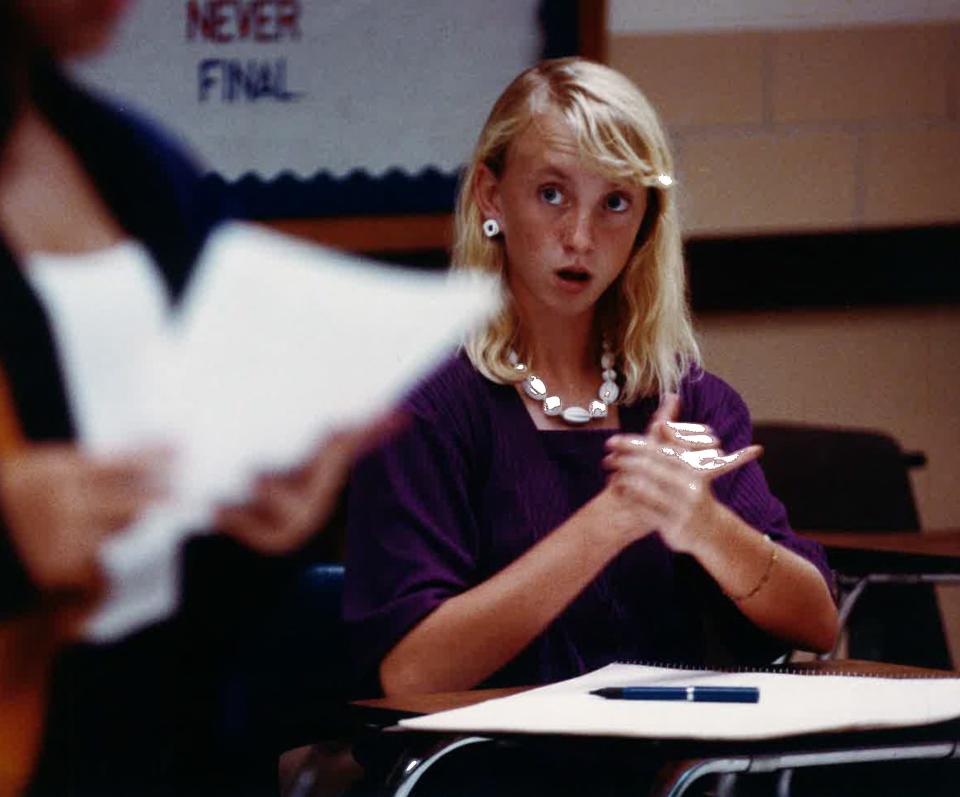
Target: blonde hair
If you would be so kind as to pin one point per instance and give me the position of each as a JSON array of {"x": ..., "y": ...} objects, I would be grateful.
[{"x": 643, "y": 315}]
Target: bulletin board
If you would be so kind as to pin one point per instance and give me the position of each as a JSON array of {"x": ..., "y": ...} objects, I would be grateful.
[{"x": 346, "y": 121}]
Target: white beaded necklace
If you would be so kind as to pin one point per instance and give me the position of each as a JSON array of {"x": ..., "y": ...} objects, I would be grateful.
[{"x": 553, "y": 405}]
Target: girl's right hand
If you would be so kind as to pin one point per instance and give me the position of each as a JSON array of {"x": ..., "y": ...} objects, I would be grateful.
[
  {"x": 660, "y": 481},
  {"x": 59, "y": 504},
  {"x": 668, "y": 490}
]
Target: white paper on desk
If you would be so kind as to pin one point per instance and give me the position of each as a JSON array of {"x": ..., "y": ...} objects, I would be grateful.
[
  {"x": 276, "y": 343},
  {"x": 790, "y": 704}
]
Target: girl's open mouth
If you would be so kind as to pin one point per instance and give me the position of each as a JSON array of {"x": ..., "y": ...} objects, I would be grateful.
[{"x": 573, "y": 275}]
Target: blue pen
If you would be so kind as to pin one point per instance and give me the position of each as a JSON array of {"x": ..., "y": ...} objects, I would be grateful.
[{"x": 692, "y": 694}]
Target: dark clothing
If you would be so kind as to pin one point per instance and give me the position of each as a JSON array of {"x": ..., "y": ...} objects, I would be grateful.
[
  {"x": 472, "y": 485},
  {"x": 149, "y": 714},
  {"x": 157, "y": 197}
]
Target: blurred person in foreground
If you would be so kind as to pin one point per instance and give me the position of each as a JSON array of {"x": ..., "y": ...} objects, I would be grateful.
[{"x": 82, "y": 184}]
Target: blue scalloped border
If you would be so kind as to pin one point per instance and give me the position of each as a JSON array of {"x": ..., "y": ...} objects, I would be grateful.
[
  {"x": 358, "y": 193},
  {"x": 355, "y": 194}
]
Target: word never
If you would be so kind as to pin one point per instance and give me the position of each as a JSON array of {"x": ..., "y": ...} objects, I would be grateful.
[{"x": 223, "y": 21}]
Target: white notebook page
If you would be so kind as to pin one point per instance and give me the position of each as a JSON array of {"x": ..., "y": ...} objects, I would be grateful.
[{"x": 790, "y": 704}]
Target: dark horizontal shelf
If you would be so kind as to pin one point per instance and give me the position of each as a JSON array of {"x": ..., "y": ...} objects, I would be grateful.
[
  {"x": 861, "y": 268},
  {"x": 912, "y": 266},
  {"x": 847, "y": 269}
]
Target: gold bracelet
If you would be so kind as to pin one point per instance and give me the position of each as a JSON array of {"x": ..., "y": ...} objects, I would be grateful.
[{"x": 764, "y": 578}]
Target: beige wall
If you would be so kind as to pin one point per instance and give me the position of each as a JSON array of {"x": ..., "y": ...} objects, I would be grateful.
[
  {"x": 807, "y": 130},
  {"x": 783, "y": 131},
  {"x": 887, "y": 369}
]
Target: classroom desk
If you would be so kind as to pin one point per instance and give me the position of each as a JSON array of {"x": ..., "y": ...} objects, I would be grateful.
[
  {"x": 681, "y": 763},
  {"x": 862, "y": 559},
  {"x": 858, "y": 552}
]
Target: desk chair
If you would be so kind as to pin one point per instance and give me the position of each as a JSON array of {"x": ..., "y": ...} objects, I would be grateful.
[
  {"x": 837, "y": 479},
  {"x": 922, "y": 760},
  {"x": 290, "y": 682}
]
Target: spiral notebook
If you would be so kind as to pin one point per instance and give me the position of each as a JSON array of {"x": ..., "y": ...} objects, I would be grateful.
[{"x": 791, "y": 703}]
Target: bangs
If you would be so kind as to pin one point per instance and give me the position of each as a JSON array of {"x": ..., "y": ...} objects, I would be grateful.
[{"x": 611, "y": 140}]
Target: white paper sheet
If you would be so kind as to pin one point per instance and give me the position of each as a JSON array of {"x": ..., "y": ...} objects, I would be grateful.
[
  {"x": 276, "y": 343},
  {"x": 106, "y": 308},
  {"x": 279, "y": 341},
  {"x": 790, "y": 704}
]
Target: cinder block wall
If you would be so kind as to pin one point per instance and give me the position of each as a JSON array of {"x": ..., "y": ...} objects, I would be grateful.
[
  {"x": 818, "y": 130},
  {"x": 807, "y": 130}
]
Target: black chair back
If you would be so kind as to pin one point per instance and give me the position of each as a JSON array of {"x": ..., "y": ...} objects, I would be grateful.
[
  {"x": 837, "y": 479},
  {"x": 843, "y": 479}
]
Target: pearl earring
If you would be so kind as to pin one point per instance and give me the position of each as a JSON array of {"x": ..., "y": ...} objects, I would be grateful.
[{"x": 491, "y": 228}]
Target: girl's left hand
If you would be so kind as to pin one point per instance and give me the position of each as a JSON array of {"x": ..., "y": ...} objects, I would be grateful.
[
  {"x": 665, "y": 428},
  {"x": 669, "y": 486},
  {"x": 286, "y": 509}
]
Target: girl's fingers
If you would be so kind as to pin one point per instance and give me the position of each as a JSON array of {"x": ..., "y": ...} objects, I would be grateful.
[
  {"x": 645, "y": 493},
  {"x": 626, "y": 444},
  {"x": 669, "y": 409},
  {"x": 711, "y": 462},
  {"x": 692, "y": 435},
  {"x": 622, "y": 448},
  {"x": 730, "y": 462},
  {"x": 667, "y": 475},
  {"x": 688, "y": 436}
]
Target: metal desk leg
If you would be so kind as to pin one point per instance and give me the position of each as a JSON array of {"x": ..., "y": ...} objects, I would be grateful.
[
  {"x": 858, "y": 584},
  {"x": 784, "y": 782},
  {"x": 409, "y": 770},
  {"x": 847, "y": 602},
  {"x": 677, "y": 777}
]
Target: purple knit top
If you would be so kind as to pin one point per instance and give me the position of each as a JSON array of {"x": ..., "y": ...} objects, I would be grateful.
[{"x": 472, "y": 484}]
